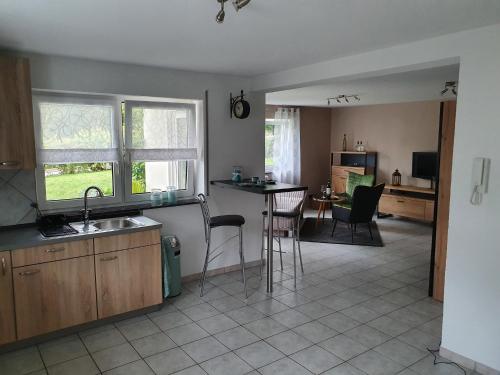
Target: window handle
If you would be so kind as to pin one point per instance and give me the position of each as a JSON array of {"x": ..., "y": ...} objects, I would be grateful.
[{"x": 9, "y": 163}]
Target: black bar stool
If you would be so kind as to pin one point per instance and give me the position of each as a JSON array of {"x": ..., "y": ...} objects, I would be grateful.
[
  {"x": 217, "y": 222},
  {"x": 288, "y": 211}
]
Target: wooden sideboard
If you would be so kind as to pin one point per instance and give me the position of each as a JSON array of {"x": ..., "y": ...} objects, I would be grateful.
[
  {"x": 408, "y": 201},
  {"x": 343, "y": 162}
]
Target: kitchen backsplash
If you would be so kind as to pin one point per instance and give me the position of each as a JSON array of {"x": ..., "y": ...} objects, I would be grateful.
[{"x": 17, "y": 192}]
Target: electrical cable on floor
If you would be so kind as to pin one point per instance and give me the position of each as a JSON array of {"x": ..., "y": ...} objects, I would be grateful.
[{"x": 435, "y": 353}]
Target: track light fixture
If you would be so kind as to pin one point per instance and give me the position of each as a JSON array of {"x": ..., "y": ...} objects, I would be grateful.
[
  {"x": 345, "y": 98},
  {"x": 238, "y": 4},
  {"x": 450, "y": 86},
  {"x": 219, "y": 18}
]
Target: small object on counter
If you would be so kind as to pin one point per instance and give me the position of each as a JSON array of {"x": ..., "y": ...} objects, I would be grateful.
[
  {"x": 171, "y": 194},
  {"x": 237, "y": 174},
  {"x": 156, "y": 197},
  {"x": 255, "y": 180}
]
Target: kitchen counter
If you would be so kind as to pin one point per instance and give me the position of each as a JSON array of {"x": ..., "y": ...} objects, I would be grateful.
[{"x": 29, "y": 236}]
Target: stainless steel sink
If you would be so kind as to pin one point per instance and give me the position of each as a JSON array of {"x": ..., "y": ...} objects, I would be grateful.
[
  {"x": 107, "y": 225},
  {"x": 112, "y": 224}
]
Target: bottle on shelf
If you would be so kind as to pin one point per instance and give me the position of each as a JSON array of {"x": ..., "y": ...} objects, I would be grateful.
[
  {"x": 344, "y": 143},
  {"x": 328, "y": 190}
]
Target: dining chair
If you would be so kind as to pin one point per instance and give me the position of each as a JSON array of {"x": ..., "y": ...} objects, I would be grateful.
[
  {"x": 289, "y": 208},
  {"x": 213, "y": 222}
]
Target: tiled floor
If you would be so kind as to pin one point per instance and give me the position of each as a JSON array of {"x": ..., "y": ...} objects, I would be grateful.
[{"x": 356, "y": 310}]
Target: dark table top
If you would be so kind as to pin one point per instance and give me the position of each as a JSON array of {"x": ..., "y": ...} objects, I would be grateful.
[{"x": 259, "y": 189}]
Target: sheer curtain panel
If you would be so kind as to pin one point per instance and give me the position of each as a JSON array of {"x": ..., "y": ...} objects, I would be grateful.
[{"x": 286, "y": 148}]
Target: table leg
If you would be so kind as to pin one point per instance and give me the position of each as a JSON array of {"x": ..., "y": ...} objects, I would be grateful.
[
  {"x": 270, "y": 222},
  {"x": 321, "y": 208}
]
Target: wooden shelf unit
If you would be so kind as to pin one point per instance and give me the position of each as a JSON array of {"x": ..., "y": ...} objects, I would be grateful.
[
  {"x": 412, "y": 202},
  {"x": 343, "y": 162}
]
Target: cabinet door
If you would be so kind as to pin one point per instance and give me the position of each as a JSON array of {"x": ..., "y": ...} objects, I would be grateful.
[
  {"x": 54, "y": 295},
  {"x": 17, "y": 145},
  {"x": 339, "y": 184},
  {"x": 7, "y": 320},
  {"x": 128, "y": 280}
]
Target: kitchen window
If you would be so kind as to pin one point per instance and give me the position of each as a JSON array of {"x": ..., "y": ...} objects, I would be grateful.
[
  {"x": 124, "y": 147},
  {"x": 160, "y": 147}
]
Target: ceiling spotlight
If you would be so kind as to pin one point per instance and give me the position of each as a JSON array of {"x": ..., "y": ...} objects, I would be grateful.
[
  {"x": 450, "y": 86},
  {"x": 338, "y": 100},
  {"x": 222, "y": 14},
  {"x": 238, "y": 4},
  {"x": 356, "y": 97},
  {"x": 346, "y": 99},
  {"x": 328, "y": 101}
]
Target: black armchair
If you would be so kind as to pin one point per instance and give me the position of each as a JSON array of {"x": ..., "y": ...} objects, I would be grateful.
[{"x": 361, "y": 210}]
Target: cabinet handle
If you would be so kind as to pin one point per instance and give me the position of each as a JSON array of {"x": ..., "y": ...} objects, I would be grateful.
[
  {"x": 29, "y": 273},
  {"x": 4, "y": 267},
  {"x": 107, "y": 259},
  {"x": 55, "y": 250},
  {"x": 9, "y": 163},
  {"x": 400, "y": 201}
]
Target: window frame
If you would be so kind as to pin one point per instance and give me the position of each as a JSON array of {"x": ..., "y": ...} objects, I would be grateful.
[
  {"x": 122, "y": 172},
  {"x": 190, "y": 178},
  {"x": 55, "y": 205},
  {"x": 268, "y": 121}
]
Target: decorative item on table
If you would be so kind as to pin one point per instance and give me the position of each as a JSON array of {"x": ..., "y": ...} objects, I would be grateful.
[
  {"x": 156, "y": 197},
  {"x": 344, "y": 143},
  {"x": 360, "y": 147},
  {"x": 328, "y": 190},
  {"x": 171, "y": 196},
  {"x": 237, "y": 174},
  {"x": 323, "y": 191},
  {"x": 396, "y": 178}
]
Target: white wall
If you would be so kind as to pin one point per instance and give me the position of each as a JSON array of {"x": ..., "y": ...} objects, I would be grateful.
[
  {"x": 471, "y": 325},
  {"x": 231, "y": 141}
]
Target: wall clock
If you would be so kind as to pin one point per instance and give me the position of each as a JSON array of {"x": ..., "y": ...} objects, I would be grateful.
[{"x": 239, "y": 107}]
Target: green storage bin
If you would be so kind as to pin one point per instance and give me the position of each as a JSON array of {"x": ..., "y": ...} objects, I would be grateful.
[{"x": 171, "y": 259}]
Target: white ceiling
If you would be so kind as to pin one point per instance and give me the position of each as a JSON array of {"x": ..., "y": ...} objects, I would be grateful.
[
  {"x": 264, "y": 37},
  {"x": 395, "y": 88}
]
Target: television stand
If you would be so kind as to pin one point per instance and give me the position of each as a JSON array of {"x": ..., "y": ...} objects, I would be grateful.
[{"x": 407, "y": 201}]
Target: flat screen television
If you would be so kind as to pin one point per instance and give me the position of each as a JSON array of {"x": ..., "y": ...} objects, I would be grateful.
[{"x": 425, "y": 165}]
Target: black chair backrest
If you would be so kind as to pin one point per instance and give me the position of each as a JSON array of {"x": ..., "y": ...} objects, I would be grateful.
[{"x": 364, "y": 202}]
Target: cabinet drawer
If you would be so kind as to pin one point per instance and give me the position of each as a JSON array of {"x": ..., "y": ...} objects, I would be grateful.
[
  {"x": 126, "y": 241},
  {"x": 50, "y": 253},
  {"x": 402, "y": 206},
  {"x": 344, "y": 171}
]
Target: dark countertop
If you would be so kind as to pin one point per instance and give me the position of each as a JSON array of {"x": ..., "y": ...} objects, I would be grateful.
[
  {"x": 29, "y": 236},
  {"x": 259, "y": 189}
]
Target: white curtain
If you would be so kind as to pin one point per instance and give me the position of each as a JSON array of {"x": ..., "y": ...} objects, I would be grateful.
[{"x": 286, "y": 148}]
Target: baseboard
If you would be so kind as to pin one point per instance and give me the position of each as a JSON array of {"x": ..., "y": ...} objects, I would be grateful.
[
  {"x": 219, "y": 271},
  {"x": 467, "y": 362}
]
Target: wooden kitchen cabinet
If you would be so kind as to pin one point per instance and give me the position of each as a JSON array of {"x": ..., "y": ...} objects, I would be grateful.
[
  {"x": 7, "y": 318},
  {"x": 54, "y": 295},
  {"x": 128, "y": 280},
  {"x": 17, "y": 145}
]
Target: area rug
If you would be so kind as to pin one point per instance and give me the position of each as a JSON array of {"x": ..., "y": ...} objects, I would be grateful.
[{"x": 323, "y": 233}]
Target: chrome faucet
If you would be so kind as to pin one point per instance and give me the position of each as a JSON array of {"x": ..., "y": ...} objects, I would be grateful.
[{"x": 86, "y": 211}]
